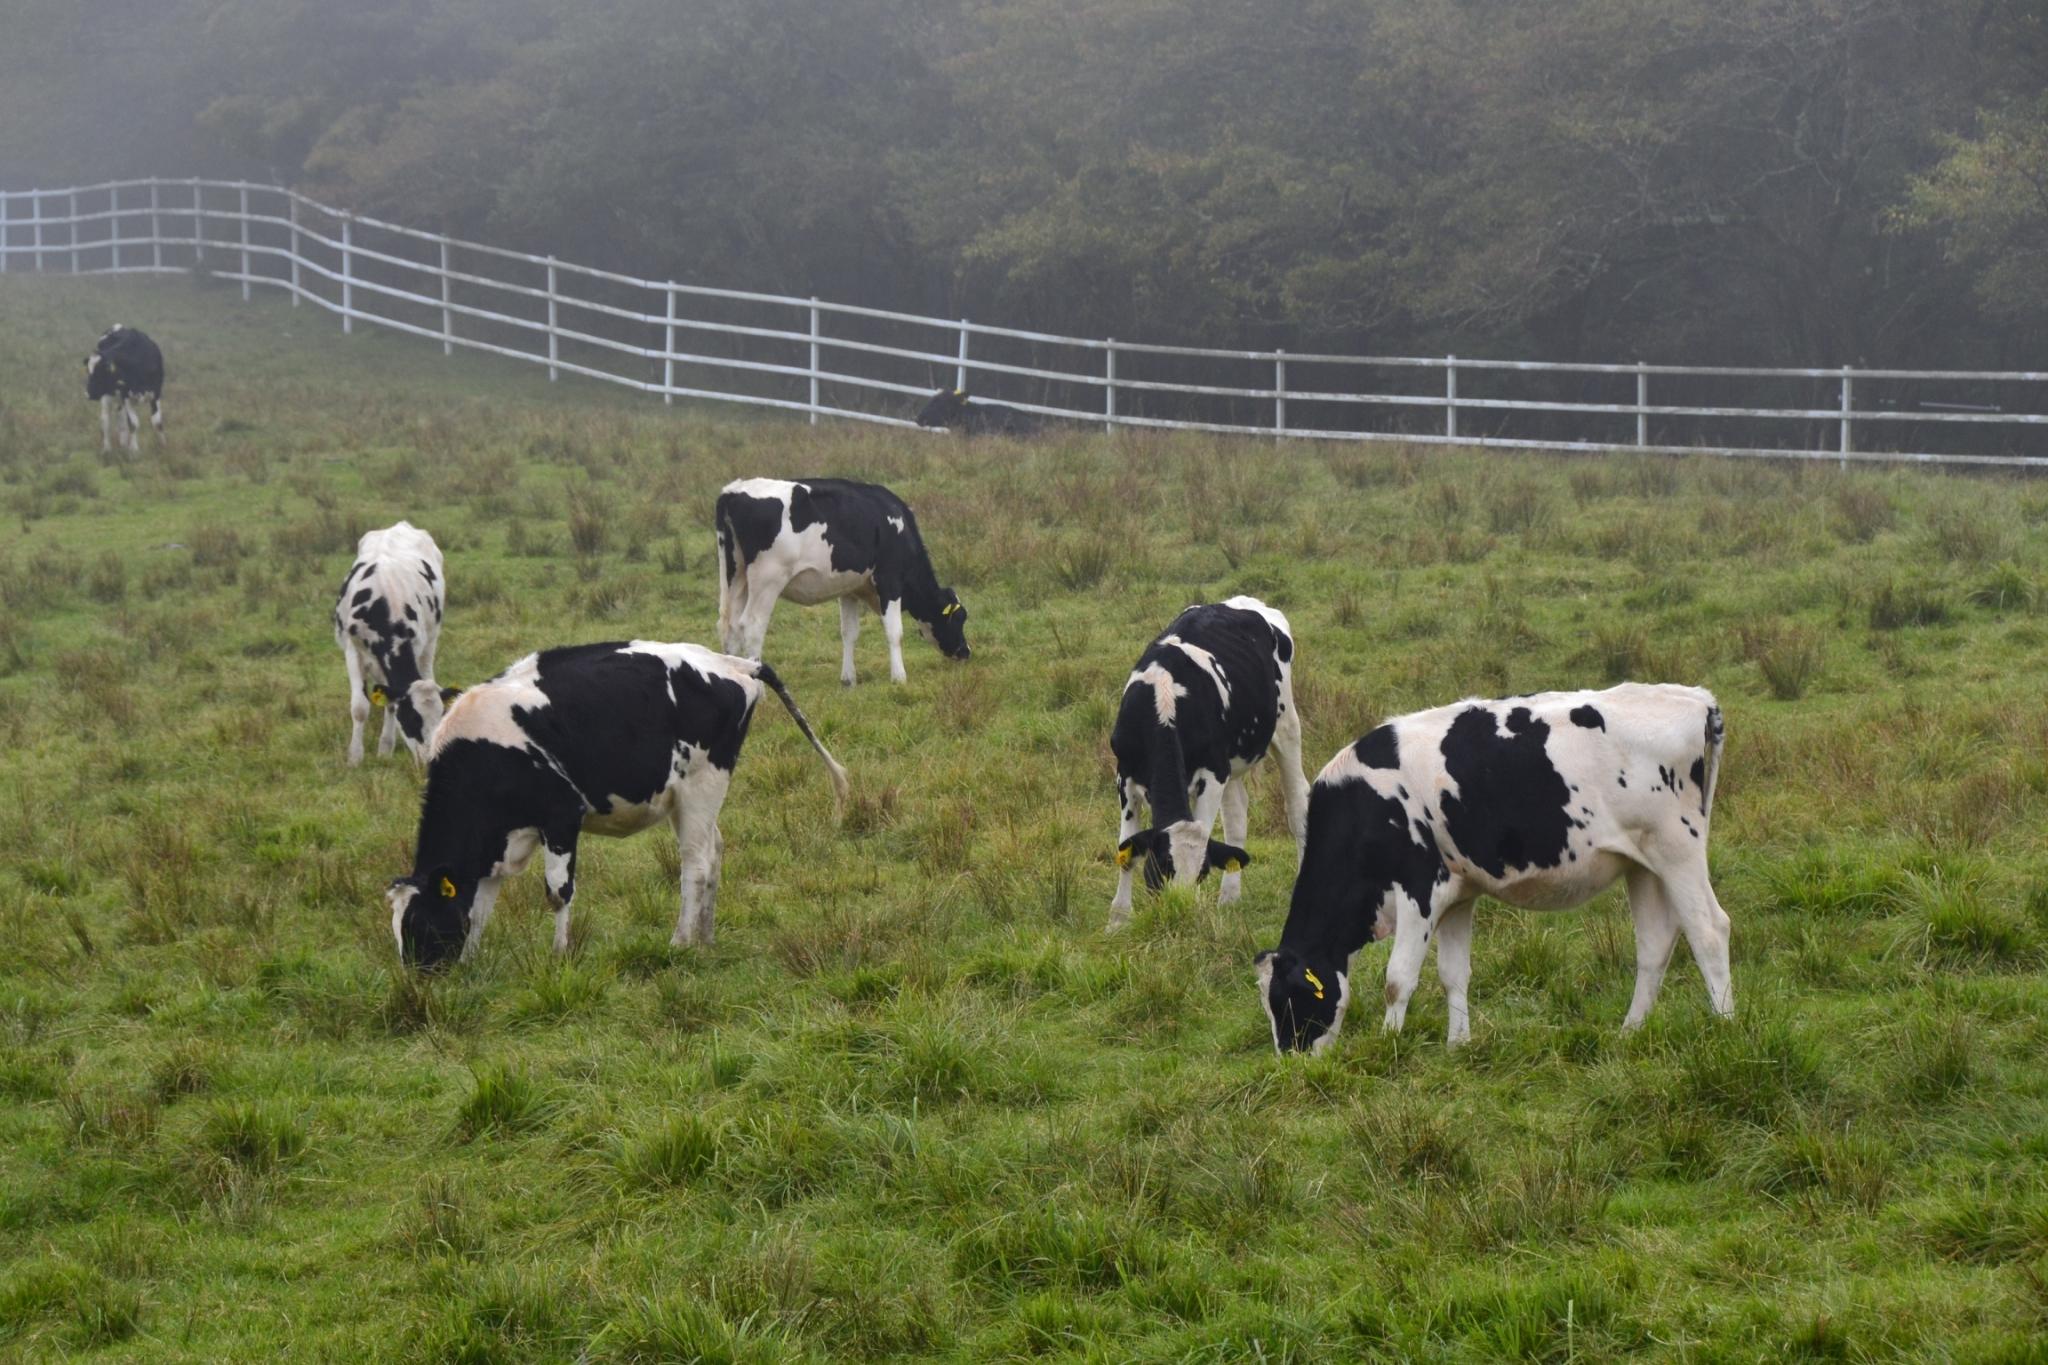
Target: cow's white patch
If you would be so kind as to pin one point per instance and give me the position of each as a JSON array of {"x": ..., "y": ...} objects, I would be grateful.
[
  {"x": 398, "y": 897},
  {"x": 1188, "y": 843},
  {"x": 1205, "y": 661},
  {"x": 1165, "y": 691},
  {"x": 897, "y": 522}
]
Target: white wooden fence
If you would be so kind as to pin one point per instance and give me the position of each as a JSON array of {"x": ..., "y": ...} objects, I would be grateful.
[{"x": 874, "y": 365}]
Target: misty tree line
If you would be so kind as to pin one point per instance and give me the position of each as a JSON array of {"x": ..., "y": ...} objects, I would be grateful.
[{"x": 1737, "y": 181}]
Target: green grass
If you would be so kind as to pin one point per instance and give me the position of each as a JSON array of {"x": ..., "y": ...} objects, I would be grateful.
[{"x": 914, "y": 1103}]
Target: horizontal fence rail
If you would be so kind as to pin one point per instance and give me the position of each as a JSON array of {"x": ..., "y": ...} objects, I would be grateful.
[{"x": 873, "y": 365}]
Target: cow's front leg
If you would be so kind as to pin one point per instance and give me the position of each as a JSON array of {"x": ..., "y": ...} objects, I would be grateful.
[
  {"x": 558, "y": 867},
  {"x": 480, "y": 908},
  {"x": 358, "y": 704},
  {"x": 849, "y": 631},
  {"x": 1404, "y": 963},
  {"x": 892, "y": 628},
  {"x": 1237, "y": 810},
  {"x": 1128, "y": 794}
]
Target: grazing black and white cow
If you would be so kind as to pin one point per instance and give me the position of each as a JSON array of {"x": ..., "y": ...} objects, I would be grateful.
[
  {"x": 601, "y": 739},
  {"x": 388, "y": 624},
  {"x": 819, "y": 539},
  {"x": 956, "y": 410},
  {"x": 1541, "y": 801},
  {"x": 1207, "y": 700},
  {"x": 125, "y": 365}
]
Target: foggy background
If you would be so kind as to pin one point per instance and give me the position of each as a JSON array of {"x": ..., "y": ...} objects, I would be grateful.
[{"x": 1696, "y": 181}]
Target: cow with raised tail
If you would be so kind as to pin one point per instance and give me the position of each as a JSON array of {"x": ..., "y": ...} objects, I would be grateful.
[
  {"x": 817, "y": 540},
  {"x": 1205, "y": 703},
  {"x": 125, "y": 365},
  {"x": 590, "y": 739},
  {"x": 388, "y": 624},
  {"x": 1540, "y": 801}
]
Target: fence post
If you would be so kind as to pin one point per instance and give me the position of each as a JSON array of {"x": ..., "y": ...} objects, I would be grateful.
[
  {"x": 156, "y": 229},
  {"x": 1642, "y": 401},
  {"x": 960, "y": 372},
  {"x": 348, "y": 284},
  {"x": 668, "y": 349},
  {"x": 447, "y": 313},
  {"x": 72, "y": 236},
  {"x": 1450, "y": 395},
  {"x": 814, "y": 360},
  {"x": 114, "y": 224},
  {"x": 1279, "y": 391},
  {"x": 291, "y": 210},
  {"x": 4, "y": 197},
  {"x": 198, "y": 226},
  {"x": 1109, "y": 387},
  {"x": 35, "y": 208},
  {"x": 245, "y": 243},
  {"x": 1848, "y": 389},
  {"x": 553, "y": 341}
]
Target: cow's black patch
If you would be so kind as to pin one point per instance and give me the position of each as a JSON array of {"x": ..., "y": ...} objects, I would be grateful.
[
  {"x": 1698, "y": 773},
  {"x": 362, "y": 595},
  {"x": 1589, "y": 717},
  {"x": 1380, "y": 748},
  {"x": 1510, "y": 807}
]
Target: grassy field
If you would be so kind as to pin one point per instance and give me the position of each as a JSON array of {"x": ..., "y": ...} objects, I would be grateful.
[{"x": 915, "y": 1103}]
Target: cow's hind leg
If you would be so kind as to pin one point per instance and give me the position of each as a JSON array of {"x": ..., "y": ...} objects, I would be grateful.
[
  {"x": 358, "y": 703},
  {"x": 701, "y": 852},
  {"x": 558, "y": 867},
  {"x": 849, "y": 631},
  {"x": 1454, "y": 968},
  {"x": 1705, "y": 926},
  {"x": 1656, "y": 934},
  {"x": 156, "y": 415},
  {"x": 106, "y": 424},
  {"x": 1237, "y": 811},
  {"x": 755, "y": 606},
  {"x": 131, "y": 424}
]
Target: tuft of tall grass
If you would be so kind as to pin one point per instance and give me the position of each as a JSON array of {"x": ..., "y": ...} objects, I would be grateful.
[{"x": 504, "y": 1099}]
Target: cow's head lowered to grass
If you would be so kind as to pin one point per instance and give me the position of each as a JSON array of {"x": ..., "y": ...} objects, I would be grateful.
[
  {"x": 430, "y": 917},
  {"x": 1305, "y": 997},
  {"x": 1181, "y": 852},
  {"x": 948, "y": 628}
]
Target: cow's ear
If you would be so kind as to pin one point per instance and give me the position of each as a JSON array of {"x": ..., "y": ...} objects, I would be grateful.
[
  {"x": 1137, "y": 848},
  {"x": 1228, "y": 857},
  {"x": 1262, "y": 958},
  {"x": 449, "y": 694}
]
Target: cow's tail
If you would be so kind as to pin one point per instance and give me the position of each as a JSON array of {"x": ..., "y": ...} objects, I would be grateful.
[
  {"x": 839, "y": 782},
  {"x": 727, "y": 571},
  {"x": 1714, "y": 732}
]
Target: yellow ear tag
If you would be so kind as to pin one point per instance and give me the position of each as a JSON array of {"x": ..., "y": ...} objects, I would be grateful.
[
  {"x": 378, "y": 696},
  {"x": 1313, "y": 980},
  {"x": 448, "y": 893},
  {"x": 950, "y": 608},
  {"x": 1232, "y": 865},
  {"x": 1123, "y": 857}
]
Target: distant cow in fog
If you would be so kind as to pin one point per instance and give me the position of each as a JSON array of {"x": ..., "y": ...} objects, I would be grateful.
[
  {"x": 956, "y": 410},
  {"x": 125, "y": 365}
]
